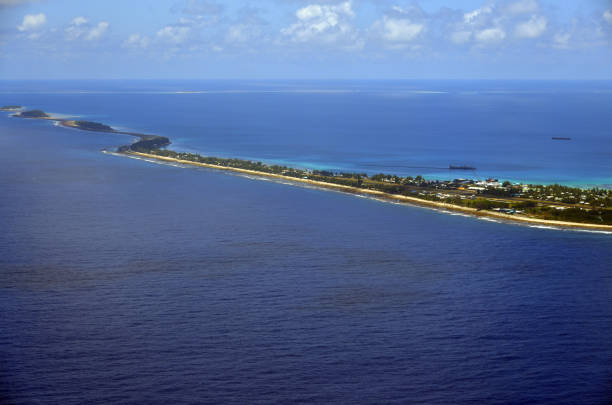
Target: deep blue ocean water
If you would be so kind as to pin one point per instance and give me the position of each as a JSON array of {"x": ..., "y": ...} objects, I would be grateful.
[
  {"x": 503, "y": 129},
  {"x": 124, "y": 281}
]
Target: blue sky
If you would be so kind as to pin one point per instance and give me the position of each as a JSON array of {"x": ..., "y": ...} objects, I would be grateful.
[{"x": 267, "y": 39}]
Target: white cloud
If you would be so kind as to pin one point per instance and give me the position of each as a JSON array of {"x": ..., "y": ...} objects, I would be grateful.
[
  {"x": 78, "y": 21},
  {"x": 32, "y": 22},
  {"x": 345, "y": 8},
  {"x": 98, "y": 31},
  {"x": 248, "y": 28},
  {"x": 400, "y": 29},
  {"x": 473, "y": 16},
  {"x": 80, "y": 28},
  {"x": 522, "y": 7},
  {"x": 460, "y": 37},
  {"x": 174, "y": 33},
  {"x": 327, "y": 23},
  {"x": 561, "y": 40},
  {"x": 75, "y": 31},
  {"x": 242, "y": 33},
  {"x": 137, "y": 41},
  {"x": 77, "y": 28},
  {"x": 236, "y": 33},
  {"x": 407, "y": 10},
  {"x": 607, "y": 15},
  {"x": 490, "y": 35},
  {"x": 198, "y": 20},
  {"x": 532, "y": 28},
  {"x": 311, "y": 11}
]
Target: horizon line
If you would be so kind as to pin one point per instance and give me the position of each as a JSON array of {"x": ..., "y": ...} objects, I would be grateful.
[{"x": 312, "y": 79}]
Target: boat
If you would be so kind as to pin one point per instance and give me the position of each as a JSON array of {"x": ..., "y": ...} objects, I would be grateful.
[
  {"x": 561, "y": 138},
  {"x": 453, "y": 167}
]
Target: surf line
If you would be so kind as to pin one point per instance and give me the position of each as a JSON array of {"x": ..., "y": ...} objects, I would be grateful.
[{"x": 149, "y": 147}]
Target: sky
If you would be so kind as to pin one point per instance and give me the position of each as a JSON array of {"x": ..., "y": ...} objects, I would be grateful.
[{"x": 306, "y": 39}]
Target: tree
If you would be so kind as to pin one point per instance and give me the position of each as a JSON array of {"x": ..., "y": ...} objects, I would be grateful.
[{"x": 482, "y": 204}]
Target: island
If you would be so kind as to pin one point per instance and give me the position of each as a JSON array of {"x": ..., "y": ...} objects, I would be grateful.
[
  {"x": 551, "y": 205},
  {"x": 146, "y": 143},
  {"x": 142, "y": 144},
  {"x": 33, "y": 114},
  {"x": 555, "y": 205},
  {"x": 11, "y": 108},
  {"x": 88, "y": 126}
]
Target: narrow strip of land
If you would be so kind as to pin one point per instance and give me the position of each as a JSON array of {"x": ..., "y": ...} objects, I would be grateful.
[
  {"x": 145, "y": 142},
  {"x": 381, "y": 195},
  {"x": 553, "y": 206}
]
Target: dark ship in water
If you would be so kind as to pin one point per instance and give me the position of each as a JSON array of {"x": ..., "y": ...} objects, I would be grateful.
[{"x": 461, "y": 167}]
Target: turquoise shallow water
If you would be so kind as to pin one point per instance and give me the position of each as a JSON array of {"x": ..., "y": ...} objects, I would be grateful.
[
  {"x": 504, "y": 129},
  {"x": 123, "y": 281}
]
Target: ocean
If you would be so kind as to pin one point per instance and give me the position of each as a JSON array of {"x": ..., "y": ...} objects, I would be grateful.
[
  {"x": 126, "y": 281},
  {"x": 503, "y": 129}
]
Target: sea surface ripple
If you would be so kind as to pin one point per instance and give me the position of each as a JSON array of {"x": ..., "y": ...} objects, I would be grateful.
[{"x": 124, "y": 281}]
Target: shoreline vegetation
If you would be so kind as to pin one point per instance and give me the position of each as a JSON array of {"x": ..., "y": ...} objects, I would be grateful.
[
  {"x": 547, "y": 205},
  {"x": 144, "y": 143}
]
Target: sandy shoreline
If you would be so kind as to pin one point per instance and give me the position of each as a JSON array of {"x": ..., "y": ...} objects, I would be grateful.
[
  {"x": 389, "y": 197},
  {"x": 70, "y": 123}
]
